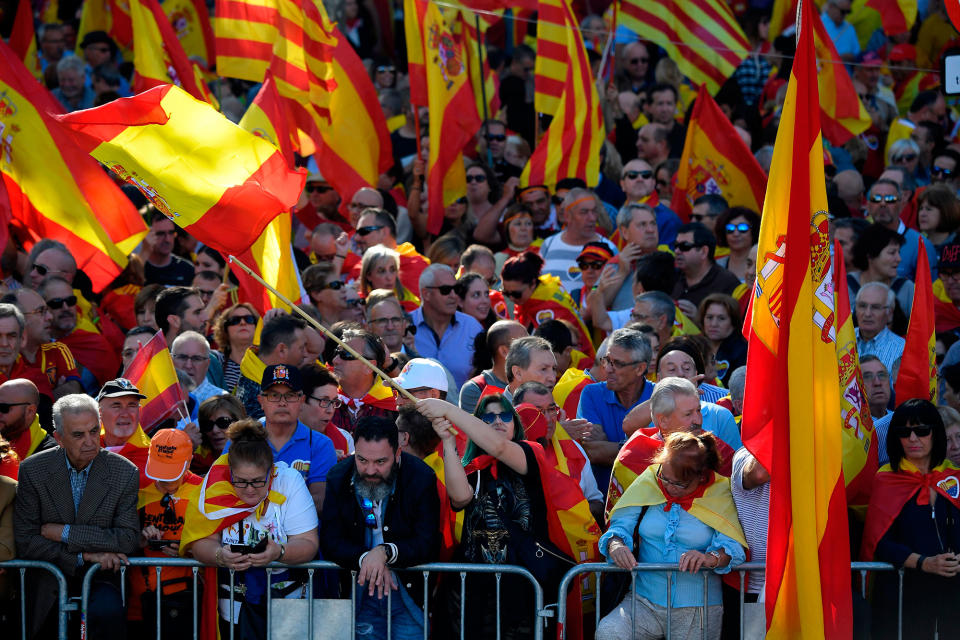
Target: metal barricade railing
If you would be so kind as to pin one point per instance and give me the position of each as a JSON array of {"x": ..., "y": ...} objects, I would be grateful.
[
  {"x": 602, "y": 567},
  {"x": 63, "y": 604},
  {"x": 463, "y": 570}
]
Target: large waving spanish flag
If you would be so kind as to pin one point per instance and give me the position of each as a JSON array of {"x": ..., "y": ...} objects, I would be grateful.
[
  {"x": 792, "y": 357},
  {"x": 897, "y": 16},
  {"x": 152, "y": 371},
  {"x": 716, "y": 160},
  {"x": 471, "y": 29},
  {"x": 217, "y": 181},
  {"x": 55, "y": 190},
  {"x": 918, "y": 365},
  {"x": 842, "y": 115}
]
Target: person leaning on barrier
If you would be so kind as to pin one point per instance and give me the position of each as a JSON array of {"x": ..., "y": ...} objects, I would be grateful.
[
  {"x": 912, "y": 523},
  {"x": 703, "y": 533},
  {"x": 382, "y": 510},
  {"x": 279, "y": 525},
  {"x": 77, "y": 505}
]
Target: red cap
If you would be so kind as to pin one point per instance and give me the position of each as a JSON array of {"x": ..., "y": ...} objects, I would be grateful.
[{"x": 903, "y": 52}]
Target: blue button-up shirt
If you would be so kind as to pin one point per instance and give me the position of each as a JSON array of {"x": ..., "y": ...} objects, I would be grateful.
[
  {"x": 78, "y": 483},
  {"x": 886, "y": 345},
  {"x": 454, "y": 349}
]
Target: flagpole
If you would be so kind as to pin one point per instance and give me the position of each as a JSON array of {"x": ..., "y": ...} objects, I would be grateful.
[{"x": 319, "y": 327}]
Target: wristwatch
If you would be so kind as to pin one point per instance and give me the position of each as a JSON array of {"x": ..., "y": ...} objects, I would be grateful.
[
  {"x": 283, "y": 550},
  {"x": 715, "y": 554}
]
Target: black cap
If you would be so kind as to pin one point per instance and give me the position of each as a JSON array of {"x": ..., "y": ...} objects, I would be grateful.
[
  {"x": 119, "y": 387},
  {"x": 950, "y": 257},
  {"x": 97, "y": 37},
  {"x": 281, "y": 374}
]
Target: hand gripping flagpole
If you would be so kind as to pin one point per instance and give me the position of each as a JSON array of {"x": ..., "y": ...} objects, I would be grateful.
[{"x": 322, "y": 329}]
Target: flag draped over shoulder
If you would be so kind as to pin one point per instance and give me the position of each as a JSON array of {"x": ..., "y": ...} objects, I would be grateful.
[
  {"x": 917, "y": 377},
  {"x": 842, "y": 115},
  {"x": 716, "y": 160},
  {"x": 571, "y": 146},
  {"x": 702, "y": 36},
  {"x": 23, "y": 39},
  {"x": 792, "y": 357},
  {"x": 217, "y": 181},
  {"x": 54, "y": 190},
  {"x": 438, "y": 80},
  {"x": 152, "y": 371},
  {"x": 245, "y": 31}
]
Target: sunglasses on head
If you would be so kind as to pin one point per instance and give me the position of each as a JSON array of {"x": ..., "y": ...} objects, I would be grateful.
[
  {"x": 940, "y": 171},
  {"x": 233, "y": 321},
  {"x": 590, "y": 265},
  {"x": 479, "y": 178},
  {"x": 496, "y": 137},
  {"x": 6, "y": 406},
  {"x": 444, "y": 289},
  {"x": 365, "y": 231},
  {"x": 889, "y": 199},
  {"x": 686, "y": 246},
  {"x": 904, "y": 431},
  {"x": 490, "y": 417},
  {"x": 369, "y": 517},
  {"x": 57, "y": 303},
  {"x": 742, "y": 227},
  {"x": 646, "y": 174},
  {"x": 221, "y": 423},
  {"x": 319, "y": 188}
]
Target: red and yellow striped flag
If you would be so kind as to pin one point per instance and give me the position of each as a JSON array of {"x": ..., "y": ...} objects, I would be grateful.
[
  {"x": 551, "y": 66},
  {"x": 191, "y": 23},
  {"x": 918, "y": 365},
  {"x": 792, "y": 357},
  {"x": 54, "y": 190},
  {"x": 23, "y": 39},
  {"x": 571, "y": 146},
  {"x": 217, "y": 181},
  {"x": 897, "y": 16},
  {"x": 438, "y": 80},
  {"x": 842, "y": 115},
  {"x": 702, "y": 36},
  {"x": 153, "y": 373},
  {"x": 716, "y": 160},
  {"x": 245, "y": 31},
  {"x": 783, "y": 14},
  {"x": 112, "y": 16}
]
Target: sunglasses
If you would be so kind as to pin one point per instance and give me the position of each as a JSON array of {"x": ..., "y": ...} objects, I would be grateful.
[
  {"x": 390, "y": 69},
  {"x": 44, "y": 270},
  {"x": 6, "y": 406},
  {"x": 169, "y": 513},
  {"x": 461, "y": 200},
  {"x": 743, "y": 227},
  {"x": 365, "y": 231},
  {"x": 686, "y": 246},
  {"x": 369, "y": 517},
  {"x": 444, "y": 289},
  {"x": 516, "y": 295},
  {"x": 233, "y": 321},
  {"x": 336, "y": 285},
  {"x": 319, "y": 188},
  {"x": 243, "y": 484},
  {"x": 590, "y": 266},
  {"x": 889, "y": 199},
  {"x": 344, "y": 355},
  {"x": 940, "y": 171},
  {"x": 639, "y": 60},
  {"x": 646, "y": 174},
  {"x": 921, "y": 430},
  {"x": 206, "y": 426},
  {"x": 910, "y": 157},
  {"x": 57, "y": 303},
  {"x": 356, "y": 302},
  {"x": 496, "y": 137},
  {"x": 480, "y": 178},
  {"x": 491, "y": 417}
]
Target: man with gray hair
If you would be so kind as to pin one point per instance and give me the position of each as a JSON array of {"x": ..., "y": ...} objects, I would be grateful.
[
  {"x": 191, "y": 353},
  {"x": 874, "y": 310},
  {"x": 12, "y": 364},
  {"x": 530, "y": 359},
  {"x": 72, "y": 92},
  {"x": 443, "y": 333},
  {"x": 579, "y": 212},
  {"x": 737, "y": 383},
  {"x": 637, "y": 224},
  {"x": 77, "y": 505}
]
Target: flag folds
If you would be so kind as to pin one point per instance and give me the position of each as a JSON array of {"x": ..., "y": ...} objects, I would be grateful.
[
  {"x": 842, "y": 115},
  {"x": 792, "y": 357},
  {"x": 917, "y": 377},
  {"x": 208, "y": 175},
  {"x": 153, "y": 373},
  {"x": 191, "y": 24},
  {"x": 245, "y": 31}
]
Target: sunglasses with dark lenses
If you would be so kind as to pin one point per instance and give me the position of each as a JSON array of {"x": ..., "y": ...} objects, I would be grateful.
[
  {"x": 319, "y": 188},
  {"x": 491, "y": 417},
  {"x": 889, "y": 199},
  {"x": 369, "y": 517},
  {"x": 646, "y": 174},
  {"x": 57, "y": 303},
  {"x": 41, "y": 269},
  {"x": 344, "y": 355},
  {"x": 356, "y": 302},
  {"x": 365, "y": 231},
  {"x": 6, "y": 406},
  {"x": 169, "y": 513},
  {"x": 336, "y": 285},
  {"x": 516, "y": 295},
  {"x": 233, "y": 321},
  {"x": 910, "y": 157},
  {"x": 206, "y": 426},
  {"x": 479, "y": 178},
  {"x": 941, "y": 171},
  {"x": 922, "y": 430},
  {"x": 496, "y": 137},
  {"x": 444, "y": 289},
  {"x": 743, "y": 227},
  {"x": 638, "y": 60},
  {"x": 590, "y": 265},
  {"x": 461, "y": 201},
  {"x": 686, "y": 246}
]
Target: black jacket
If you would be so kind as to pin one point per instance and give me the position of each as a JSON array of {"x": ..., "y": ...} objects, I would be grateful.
[{"x": 411, "y": 519}]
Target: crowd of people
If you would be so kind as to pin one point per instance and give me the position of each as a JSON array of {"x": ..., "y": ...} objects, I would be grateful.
[{"x": 565, "y": 348}]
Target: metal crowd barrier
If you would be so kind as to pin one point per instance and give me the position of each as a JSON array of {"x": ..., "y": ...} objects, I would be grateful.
[
  {"x": 63, "y": 605},
  {"x": 311, "y": 567},
  {"x": 601, "y": 567}
]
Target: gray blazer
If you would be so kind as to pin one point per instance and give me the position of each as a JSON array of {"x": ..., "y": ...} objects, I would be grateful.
[{"x": 106, "y": 520}]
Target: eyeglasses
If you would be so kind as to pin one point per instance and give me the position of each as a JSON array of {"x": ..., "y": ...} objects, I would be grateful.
[
  {"x": 319, "y": 188},
  {"x": 638, "y": 60},
  {"x": 444, "y": 289},
  {"x": 491, "y": 417},
  {"x": 619, "y": 364},
  {"x": 863, "y": 306},
  {"x": 672, "y": 483},
  {"x": 6, "y": 406},
  {"x": 910, "y": 157},
  {"x": 240, "y": 483},
  {"x": 385, "y": 321},
  {"x": 590, "y": 265},
  {"x": 646, "y": 174},
  {"x": 335, "y": 285},
  {"x": 221, "y": 423},
  {"x": 274, "y": 397},
  {"x": 169, "y": 513},
  {"x": 479, "y": 178},
  {"x": 941, "y": 171},
  {"x": 686, "y": 246},
  {"x": 905, "y": 431},
  {"x": 233, "y": 321},
  {"x": 365, "y": 231},
  {"x": 880, "y": 375},
  {"x": 516, "y": 295},
  {"x": 496, "y": 137},
  {"x": 369, "y": 517},
  {"x": 44, "y": 270},
  {"x": 326, "y": 403},
  {"x": 38, "y": 311},
  {"x": 552, "y": 409},
  {"x": 889, "y": 199},
  {"x": 386, "y": 69},
  {"x": 844, "y": 12},
  {"x": 58, "y": 303},
  {"x": 181, "y": 358},
  {"x": 743, "y": 227}
]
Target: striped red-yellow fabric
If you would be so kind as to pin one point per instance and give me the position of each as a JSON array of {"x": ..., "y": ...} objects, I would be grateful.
[
  {"x": 792, "y": 357},
  {"x": 897, "y": 16},
  {"x": 23, "y": 39},
  {"x": 485, "y": 84},
  {"x": 702, "y": 36},
  {"x": 191, "y": 22},
  {"x": 153, "y": 373},
  {"x": 158, "y": 57},
  {"x": 860, "y": 455},
  {"x": 842, "y": 115},
  {"x": 217, "y": 181},
  {"x": 918, "y": 364},
  {"x": 551, "y": 66},
  {"x": 571, "y": 146},
  {"x": 245, "y": 31},
  {"x": 54, "y": 190},
  {"x": 716, "y": 160},
  {"x": 438, "y": 80}
]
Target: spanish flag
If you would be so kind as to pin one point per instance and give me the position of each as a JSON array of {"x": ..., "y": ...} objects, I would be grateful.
[
  {"x": 549, "y": 301},
  {"x": 112, "y": 16},
  {"x": 27, "y": 442},
  {"x": 23, "y": 39},
  {"x": 217, "y": 181},
  {"x": 792, "y": 357},
  {"x": 152, "y": 371},
  {"x": 782, "y": 15},
  {"x": 918, "y": 365},
  {"x": 438, "y": 80},
  {"x": 897, "y": 16},
  {"x": 471, "y": 29},
  {"x": 842, "y": 115},
  {"x": 716, "y": 160},
  {"x": 566, "y": 393},
  {"x": 245, "y": 31},
  {"x": 191, "y": 24},
  {"x": 54, "y": 190}
]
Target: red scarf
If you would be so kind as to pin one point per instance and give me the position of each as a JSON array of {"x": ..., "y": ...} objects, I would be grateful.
[{"x": 686, "y": 501}]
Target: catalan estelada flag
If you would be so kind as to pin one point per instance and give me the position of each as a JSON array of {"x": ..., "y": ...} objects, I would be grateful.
[
  {"x": 792, "y": 357},
  {"x": 438, "y": 80},
  {"x": 245, "y": 31},
  {"x": 217, "y": 181},
  {"x": 842, "y": 115},
  {"x": 54, "y": 190},
  {"x": 191, "y": 23},
  {"x": 23, "y": 39},
  {"x": 716, "y": 160},
  {"x": 918, "y": 364},
  {"x": 153, "y": 373},
  {"x": 571, "y": 146},
  {"x": 860, "y": 455},
  {"x": 702, "y": 36}
]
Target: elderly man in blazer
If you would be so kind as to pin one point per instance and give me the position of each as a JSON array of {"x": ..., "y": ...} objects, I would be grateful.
[{"x": 77, "y": 505}]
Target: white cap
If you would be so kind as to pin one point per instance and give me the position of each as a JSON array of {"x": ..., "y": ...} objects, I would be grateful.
[{"x": 421, "y": 373}]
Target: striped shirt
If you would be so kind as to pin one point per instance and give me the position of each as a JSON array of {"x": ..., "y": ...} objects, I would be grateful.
[
  {"x": 752, "y": 508},
  {"x": 711, "y": 392},
  {"x": 886, "y": 345},
  {"x": 881, "y": 426}
]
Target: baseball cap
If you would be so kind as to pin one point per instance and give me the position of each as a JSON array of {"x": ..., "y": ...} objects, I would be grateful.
[
  {"x": 316, "y": 177},
  {"x": 281, "y": 374},
  {"x": 902, "y": 52},
  {"x": 171, "y": 451},
  {"x": 871, "y": 59},
  {"x": 533, "y": 421},
  {"x": 119, "y": 387},
  {"x": 950, "y": 257},
  {"x": 420, "y": 373},
  {"x": 595, "y": 250}
]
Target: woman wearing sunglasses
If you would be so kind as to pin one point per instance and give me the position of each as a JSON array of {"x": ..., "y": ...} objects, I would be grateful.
[
  {"x": 327, "y": 292},
  {"x": 214, "y": 417},
  {"x": 913, "y": 522},
  {"x": 250, "y": 512},
  {"x": 683, "y": 513},
  {"x": 380, "y": 269},
  {"x": 738, "y": 229},
  {"x": 233, "y": 333}
]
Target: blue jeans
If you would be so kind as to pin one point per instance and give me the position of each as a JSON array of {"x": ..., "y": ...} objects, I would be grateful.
[{"x": 406, "y": 621}]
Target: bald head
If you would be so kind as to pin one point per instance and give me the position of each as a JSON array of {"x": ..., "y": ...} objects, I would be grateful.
[
  {"x": 500, "y": 334},
  {"x": 22, "y": 397},
  {"x": 53, "y": 261},
  {"x": 364, "y": 198}
]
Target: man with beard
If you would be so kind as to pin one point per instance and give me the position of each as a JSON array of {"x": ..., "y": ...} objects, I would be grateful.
[{"x": 382, "y": 511}]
